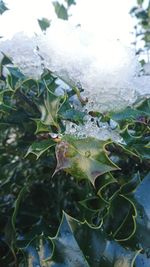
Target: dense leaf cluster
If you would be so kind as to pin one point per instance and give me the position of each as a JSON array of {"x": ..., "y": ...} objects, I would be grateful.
[{"x": 67, "y": 201}]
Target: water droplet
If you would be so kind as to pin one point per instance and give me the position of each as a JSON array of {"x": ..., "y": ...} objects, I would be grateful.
[{"x": 53, "y": 135}]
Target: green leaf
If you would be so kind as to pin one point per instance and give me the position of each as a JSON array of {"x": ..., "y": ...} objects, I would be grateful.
[
  {"x": 140, "y": 2},
  {"x": 48, "y": 80},
  {"x": 144, "y": 106},
  {"x": 61, "y": 11},
  {"x": 77, "y": 244},
  {"x": 1, "y": 97},
  {"x": 142, "y": 14},
  {"x": 29, "y": 85},
  {"x": 66, "y": 250},
  {"x": 39, "y": 147},
  {"x": 6, "y": 109},
  {"x": 5, "y": 61},
  {"x": 44, "y": 23},
  {"x": 40, "y": 127},
  {"x": 137, "y": 144},
  {"x": 70, "y": 2},
  {"x": 3, "y": 8},
  {"x": 83, "y": 158},
  {"x": 73, "y": 115},
  {"x": 106, "y": 180},
  {"x": 15, "y": 72},
  {"x": 10, "y": 229},
  {"x": 133, "y": 9},
  {"x": 50, "y": 108},
  {"x": 93, "y": 203},
  {"x": 142, "y": 203},
  {"x": 143, "y": 150},
  {"x": 15, "y": 78},
  {"x": 94, "y": 210},
  {"x": 131, "y": 185},
  {"x": 16, "y": 207},
  {"x": 121, "y": 225},
  {"x": 2, "y": 94},
  {"x": 130, "y": 113}
]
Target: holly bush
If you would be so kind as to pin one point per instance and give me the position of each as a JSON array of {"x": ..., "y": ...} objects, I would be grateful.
[
  {"x": 68, "y": 201},
  {"x": 141, "y": 12}
]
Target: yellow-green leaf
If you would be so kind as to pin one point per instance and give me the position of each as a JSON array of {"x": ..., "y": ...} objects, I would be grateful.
[{"x": 83, "y": 158}]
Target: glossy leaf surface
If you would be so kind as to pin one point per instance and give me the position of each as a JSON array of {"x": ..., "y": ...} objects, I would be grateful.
[{"x": 83, "y": 158}]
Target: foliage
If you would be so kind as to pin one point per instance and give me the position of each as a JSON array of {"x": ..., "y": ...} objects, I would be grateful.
[
  {"x": 67, "y": 201},
  {"x": 44, "y": 23},
  {"x": 61, "y": 10},
  {"x": 3, "y": 7},
  {"x": 142, "y": 30}
]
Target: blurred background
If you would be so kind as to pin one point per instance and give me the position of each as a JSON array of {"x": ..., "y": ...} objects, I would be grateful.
[{"x": 127, "y": 20}]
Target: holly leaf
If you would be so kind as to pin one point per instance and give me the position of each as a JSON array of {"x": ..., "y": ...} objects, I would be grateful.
[
  {"x": 144, "y": 106},
  {"x": 61, "y": 11},
  {"x": 14, "y": 78},
  {"x": 70, "y": 2},
  {"x": 4, "y": 62},
  {"x": 121, "y": 225},
  {"x": 138, "y": 144},
  {"x": 83, "y": 158},
  {"x": 73, "y": 115},
  {"x": 142, "y": 203},
  {"x": 93, "y": 210},
  {"x": 3, "y": 8},
  {"x": 44, "y": 23},
  {"x": 133, "y": 113},
  {"x": 50, "y": 108},
  {"x": 40, "y": 127},
  {"x": 66, "y": 251},
  {"x": 39, "y": 147},
  {"x": 77, "y": 244},
  {"x": 93, "y": 203},
  {"x": 131, "y": 185},
  {"x": 107, "y": 180}
]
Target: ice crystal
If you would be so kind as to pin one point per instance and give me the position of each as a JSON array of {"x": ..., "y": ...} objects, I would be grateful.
[{"x": 103, "y": 131}]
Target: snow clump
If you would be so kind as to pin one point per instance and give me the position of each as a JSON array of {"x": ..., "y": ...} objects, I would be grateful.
[
  {"x": 108, "y": 72},
  {"x": 23, "y": 52},
  {"x": 105, "y": 69}
]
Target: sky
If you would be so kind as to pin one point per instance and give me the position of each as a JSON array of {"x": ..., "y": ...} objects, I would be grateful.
[{"x": 108, "y": 18}]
